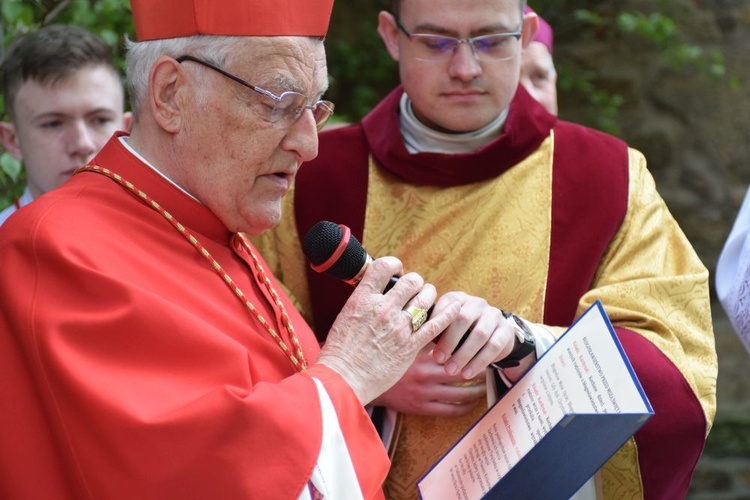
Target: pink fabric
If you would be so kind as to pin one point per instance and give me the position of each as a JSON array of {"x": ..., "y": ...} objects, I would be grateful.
[{"x": 544, "y": 35}]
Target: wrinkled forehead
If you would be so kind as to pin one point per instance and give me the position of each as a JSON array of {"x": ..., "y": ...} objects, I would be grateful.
[{"x": 295, "y": 63}]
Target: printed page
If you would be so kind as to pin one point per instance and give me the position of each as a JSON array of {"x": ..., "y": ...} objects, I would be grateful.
[{"x": 583, "y": 372}]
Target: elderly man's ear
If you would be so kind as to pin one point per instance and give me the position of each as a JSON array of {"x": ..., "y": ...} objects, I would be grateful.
[{"x": 167, "y": 92}]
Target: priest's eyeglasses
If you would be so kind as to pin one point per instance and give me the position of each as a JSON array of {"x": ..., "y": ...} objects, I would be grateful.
[
  {"x": 439, "y": 48},
  {"x": 287, "y": 107}
]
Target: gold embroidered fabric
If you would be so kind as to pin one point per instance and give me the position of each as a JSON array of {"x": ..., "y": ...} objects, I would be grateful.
[
  {"x": 507, "y": 229},
  {"x": 621, "y": 477},
  {"x": 421, "y": 443},
  {"x": 491, "y": 239},
  {"x": 653, "y": 283}
]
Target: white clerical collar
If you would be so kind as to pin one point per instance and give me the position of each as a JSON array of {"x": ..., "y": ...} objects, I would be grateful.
[
  {"x": 124, "y": 142},
  {"x": 419, "y": 138}
]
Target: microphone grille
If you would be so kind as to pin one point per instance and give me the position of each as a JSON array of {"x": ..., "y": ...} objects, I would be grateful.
[{"x": 323, "y": 239}]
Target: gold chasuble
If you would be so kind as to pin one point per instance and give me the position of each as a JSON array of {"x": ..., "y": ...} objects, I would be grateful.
[
  {"x": 478, "y": 262},
  {"x": 542, "y": 221}
]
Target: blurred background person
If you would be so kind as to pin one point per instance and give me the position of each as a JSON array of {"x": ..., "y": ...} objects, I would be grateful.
[
  {"x": 64, "y": 99},
  {"x": 733, "y": 274},
  {"x": 538, "y": 74}
]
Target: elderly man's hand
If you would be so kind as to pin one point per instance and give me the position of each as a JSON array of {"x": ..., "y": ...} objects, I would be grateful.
[{"x": 371, "y": 344}]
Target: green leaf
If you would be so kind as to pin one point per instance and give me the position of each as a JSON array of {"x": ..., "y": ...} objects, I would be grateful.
[
  {"x": 10, "y": 166},
  {"x": 17, "y": 13},
  {"x": 589, "y": 17}
]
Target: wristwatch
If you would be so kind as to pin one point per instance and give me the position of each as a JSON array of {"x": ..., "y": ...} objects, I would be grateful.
[{"x": 525, "y": 345}]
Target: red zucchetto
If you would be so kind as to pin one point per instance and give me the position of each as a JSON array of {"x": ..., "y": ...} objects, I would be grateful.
[{"x": 157, "y": 19}]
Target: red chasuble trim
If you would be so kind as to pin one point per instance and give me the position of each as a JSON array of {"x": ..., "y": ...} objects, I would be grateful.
[
  {"x": 670, "y": 443},
  {"x": 526, "y": 127},
  {"x": 589, "y": 202}
]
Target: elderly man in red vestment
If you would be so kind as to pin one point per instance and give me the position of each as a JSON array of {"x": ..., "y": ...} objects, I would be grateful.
[
  {"x": 145, "y": 351},
  {"x": 464, "y": 176}
]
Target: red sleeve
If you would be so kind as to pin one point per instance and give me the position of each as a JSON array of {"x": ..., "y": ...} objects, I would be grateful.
[
  {"x": 147, "y": 382},
  {"x": 671, "y": 442}
]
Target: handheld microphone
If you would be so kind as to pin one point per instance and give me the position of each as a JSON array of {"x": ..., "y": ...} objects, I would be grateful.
[{"x": 332, "y": 249}]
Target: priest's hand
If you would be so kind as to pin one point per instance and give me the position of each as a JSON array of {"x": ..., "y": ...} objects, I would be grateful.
[
  {"x": 372, "y": 342},
  {"x": 425, "y": 389},
  {"x": 480, "y": 335}
]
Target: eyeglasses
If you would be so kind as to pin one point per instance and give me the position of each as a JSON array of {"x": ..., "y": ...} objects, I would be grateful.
[
  {"x": 438, "y": 48},
  {"x": 287, "y": 107}
]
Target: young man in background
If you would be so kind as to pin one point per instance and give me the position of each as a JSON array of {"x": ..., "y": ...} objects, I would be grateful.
[{"x": 64, "y": 98}]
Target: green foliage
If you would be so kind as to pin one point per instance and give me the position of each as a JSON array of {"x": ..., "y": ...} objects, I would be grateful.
[
  {"x": 362, "y": 72},
  {"x": 603, "y": 106},
  {"x": 663, "y": 32},
  {"x": 656, "y": 27},
  {"x": 659, "y": 29},
  {"x": 12, "y": 179},
  {"x": 110, "y": 19}
]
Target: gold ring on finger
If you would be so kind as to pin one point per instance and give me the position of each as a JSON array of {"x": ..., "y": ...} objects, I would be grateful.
[{"x": 418, "y": 317}]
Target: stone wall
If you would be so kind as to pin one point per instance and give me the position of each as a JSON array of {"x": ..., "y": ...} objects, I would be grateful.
[{"x": 695, "y": 134}]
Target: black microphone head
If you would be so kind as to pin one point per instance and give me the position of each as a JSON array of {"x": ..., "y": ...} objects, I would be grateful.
[{"x": 323, "y": 240}]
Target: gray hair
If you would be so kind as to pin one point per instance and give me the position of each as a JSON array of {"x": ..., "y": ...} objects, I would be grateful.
[{"x": 141, "y": 56}]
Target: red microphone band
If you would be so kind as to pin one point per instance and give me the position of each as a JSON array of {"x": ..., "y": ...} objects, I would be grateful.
[{"x": 323, "y": 267}]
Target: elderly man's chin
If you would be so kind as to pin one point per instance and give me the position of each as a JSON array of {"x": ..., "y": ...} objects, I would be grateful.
[{"x": 256, "y": 222}]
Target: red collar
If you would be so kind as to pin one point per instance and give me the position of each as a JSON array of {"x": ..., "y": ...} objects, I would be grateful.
[{"x": 528, "y": 124}]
